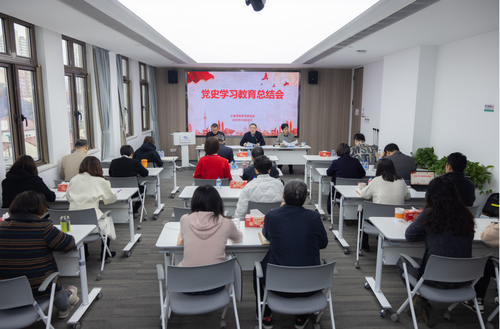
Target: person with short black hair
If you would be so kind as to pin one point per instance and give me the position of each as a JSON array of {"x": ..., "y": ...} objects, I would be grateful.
[
  {"x": 148, "y": 151},
  {"x": 362, "y": 151},
  {"x": 214, "y": 131},
  {"x": 126, "y": 166},
  {"x": 71, "y": 163},
  {"x": 285, "y": 136},
  {"x": 262, "y": 189},
  {"x": 224, "y": 151},
  {"x": 212, "y": 166},
  {"x": 253, "y": 136},
  {"x": 404, "y": 164},
  {"x": 249, "y": 171},
  {"x": 455, "y": 167},
  {"x": 345, "y": 167},
  {"x": 27, "y": 242},
  {"x": 23, "y": 176},
  {"x": 296, "y": 235}
]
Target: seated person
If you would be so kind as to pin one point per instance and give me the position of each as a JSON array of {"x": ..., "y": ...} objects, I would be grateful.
[
  {"x": 23, "y": 176},
  {"x": 455, "y": 167},
  {"x": 128, "y": 167},
  {"x": 285, "y": 136},
  {"x": 215, "y": 131},
  {"x": 148, "y": 151},
  {"x": 296, "y": 235},
  {"x": 37, "y": 261},
  {"x": 345, "y": 167},
  {"x": 71, "y": 163},
  {"x": 212, "y": 166},
  {"x": 224, "y": 151},
  {"x": 446, "y": 226},
  {"x": 249, "y": 171},
  {"x": 262, "y": 189},
  {"x": 362, "y": 151},
  {"x": 253, "y": 136},
  {"x": 404, "y": 164}
]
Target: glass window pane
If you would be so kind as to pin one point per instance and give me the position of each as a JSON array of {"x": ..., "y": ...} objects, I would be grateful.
[
  {"x": 127, "y": 108},
  {"x": 23, "y": 42},
  {"x": 3, "y": 47},
  {"x": 5, "y": 124},
  {"x": 29, "y": 124},
  {"x": 65, "y": 52},
  {"x": 81, "y": 105},
  {"x": 69, "y": 102},
  {"x": 78, "y": 53},
  {"x": 143, "y": 72},
  {"x": 124, "y": 67},
  {"x": 144, "y": 109}
]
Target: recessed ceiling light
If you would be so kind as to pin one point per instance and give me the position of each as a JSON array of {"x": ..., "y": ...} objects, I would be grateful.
[{"x": 361, "y": 51}]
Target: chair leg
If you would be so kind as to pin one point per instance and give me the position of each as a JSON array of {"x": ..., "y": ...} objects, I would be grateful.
[
  {"x": 410, "y": 298},
  {"x": 331, "y": 309},
  {"x": 233, "y": 297},
  {"x": 481, "y": 322},
  {"x": 259, "y": 303},
  {"x": 162, "y": 310}
]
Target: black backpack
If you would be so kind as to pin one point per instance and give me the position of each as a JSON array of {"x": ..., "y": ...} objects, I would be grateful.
[{"x": 491, "y": 205}]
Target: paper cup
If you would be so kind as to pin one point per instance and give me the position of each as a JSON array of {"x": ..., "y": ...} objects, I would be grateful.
[
  {"x": 303, "y": 144},
  {"x": 399, "y": 213},
  {"x": 371, "y": 167},
  {"x": 361, "y": 185}
]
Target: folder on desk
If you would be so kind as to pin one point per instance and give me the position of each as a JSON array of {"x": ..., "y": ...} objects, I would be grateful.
[{"x": 263, "y": 240}]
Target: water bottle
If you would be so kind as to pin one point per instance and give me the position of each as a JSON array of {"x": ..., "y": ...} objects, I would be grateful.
[
  {"x": 249, "y": 153},
  {"x": 65, "y": 224},
  {"x": 218, "y": 183},
  {"x": 369, "y": 181},
  {"x": 333, "y": 153},
  {"x": 162, "y": 154},
  {"x": 366, "y": 165}
]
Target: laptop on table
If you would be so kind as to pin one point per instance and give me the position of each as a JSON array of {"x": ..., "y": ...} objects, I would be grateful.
[{"x": 419, "y": 180}]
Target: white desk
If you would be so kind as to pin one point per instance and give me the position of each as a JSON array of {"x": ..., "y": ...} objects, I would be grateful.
[
  {"x": 349, "y": 196},
  {"x": 286, "y": 155},
  {"x": 73, "y": 263},
  {"x": 228, "y": 195},
  {"x": 152, "y": 183},
  {"x": 170, "y": 172},
  {"x": 239, "y": 172},
  {"x": 312, "y": 163},
  {"x": 273, "y": 158},
  {"x": 247, "y": 251},
  {"x": 392, "y": 242},
  {"x": 122, "y": 211}
]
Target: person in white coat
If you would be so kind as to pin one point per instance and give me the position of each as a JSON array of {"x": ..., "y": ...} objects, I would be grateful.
[
  {"x": 264, "y": 188},
  {"x": 86, "y": 189}
]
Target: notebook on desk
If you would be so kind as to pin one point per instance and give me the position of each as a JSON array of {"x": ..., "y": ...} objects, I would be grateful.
[{"x": 419, "y": 180}]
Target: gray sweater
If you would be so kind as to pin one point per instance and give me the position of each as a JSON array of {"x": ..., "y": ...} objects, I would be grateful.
[{"x": 282, "y": 138}]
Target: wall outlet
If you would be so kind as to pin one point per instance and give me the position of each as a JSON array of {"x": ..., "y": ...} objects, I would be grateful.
[{"x": 173, "y": 150}]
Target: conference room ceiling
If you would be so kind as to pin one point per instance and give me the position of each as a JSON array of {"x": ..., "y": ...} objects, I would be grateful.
[{"x": 110, "y": 25}]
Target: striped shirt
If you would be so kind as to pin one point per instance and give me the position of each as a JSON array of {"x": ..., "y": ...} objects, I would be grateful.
[{"x": 26, "y": 245}]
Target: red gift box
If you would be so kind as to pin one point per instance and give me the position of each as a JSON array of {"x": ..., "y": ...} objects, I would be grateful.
[
  {"x": 235, "y": 184},
  {"x": 411, "y": 214},
  {"x": 62, "y": 187},
  {"x": 242, "y": 154},
  {"x": 325, "y": 154},
  {"x": 254, "y": 221}
]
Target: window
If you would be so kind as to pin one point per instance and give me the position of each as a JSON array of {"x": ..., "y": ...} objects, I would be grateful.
[
  {"x": 127, "y": 120},
  {"x": 22, "y": 119},
  {"x": 77, "y": 91},
  {"x": 144, "y": 97}
]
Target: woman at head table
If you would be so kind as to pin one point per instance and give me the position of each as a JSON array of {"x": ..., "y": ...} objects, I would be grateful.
[
  {"x": 205, "y": 231},
  {"x": 285, "y": 136},
  {"x": 86, "y": 189},
  {"x": 446, "y": 226}
]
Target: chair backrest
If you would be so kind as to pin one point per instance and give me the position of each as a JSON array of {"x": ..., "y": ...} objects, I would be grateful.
[
  {"x": 199, "y": 182},
  {"x": 371, "y": 209},
  {"x": 82, "y": 217},
  {"x": 15, "y": 292},
  {"x": 200, "y": 278},
  {"x": 123, "y": 182},
  {"x": 350, "y": 181},
  {"x": 447, "y": 269},
  {"x": 57, "y": 182},
  {"x": 473, "y": 210},
  {"x": 299, "y": 279},
  {"x": 263, "y": 207},
  {"x": 179, "y": 212}
]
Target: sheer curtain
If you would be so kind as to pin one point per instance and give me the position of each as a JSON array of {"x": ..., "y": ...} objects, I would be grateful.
[
  {"x": 119, "y": 82},
  {"x": 153, "y": 108},
  {"x": 103, "y": 82}
]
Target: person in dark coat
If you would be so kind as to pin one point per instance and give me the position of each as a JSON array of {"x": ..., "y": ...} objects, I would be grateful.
[
  {"x": 214, "y": 131},
  {"x": 224, "y": 151},
  {"x": 455, "y": 167},
  {"x": 23, "y": 176},
  {"x": 253, "y": 136},
  {"x": 249, "y": 172},
  {"x": 128, "y": 167},
  {"x": 345, "y": 166},
  {"x": 148, "y": 151}
]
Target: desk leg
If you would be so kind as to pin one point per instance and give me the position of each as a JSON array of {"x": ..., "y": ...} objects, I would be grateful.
[
  {"x": 160, "y": 205},
  {"x": 176, "y": 188},
  {"x": 133, "y": 237},
  {"x": 358, "y": 249},
  {"x": 375, "y": 284},
  {"x": 310, "y": 169},
  {"x": 87, "y": 298},
  {"x": 338, "y": 234},
  {"x": 318, "y": 205}
]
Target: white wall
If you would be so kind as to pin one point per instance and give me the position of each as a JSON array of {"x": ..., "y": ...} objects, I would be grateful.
[
  {"x": 372, "y": 97},
  {"x": 466, "y": 80}
]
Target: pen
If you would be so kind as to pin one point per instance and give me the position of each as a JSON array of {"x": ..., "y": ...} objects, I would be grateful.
[{"x": 119, "y": 191}]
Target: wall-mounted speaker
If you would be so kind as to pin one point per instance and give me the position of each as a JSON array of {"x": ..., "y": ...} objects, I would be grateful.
[
  {"x": 172, "y": 76},
  {"x": 313, "y": 77}
]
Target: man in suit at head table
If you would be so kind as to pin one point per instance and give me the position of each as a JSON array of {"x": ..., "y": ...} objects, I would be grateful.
[
  {"x": 125, "y": 166},
  {"x": 70, "y": 163},
  {"x": 215, "y": 131},
  {"x": 253, "y": 136}
]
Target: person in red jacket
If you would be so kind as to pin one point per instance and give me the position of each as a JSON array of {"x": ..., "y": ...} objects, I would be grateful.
[{"x": 212, "y": 166}]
